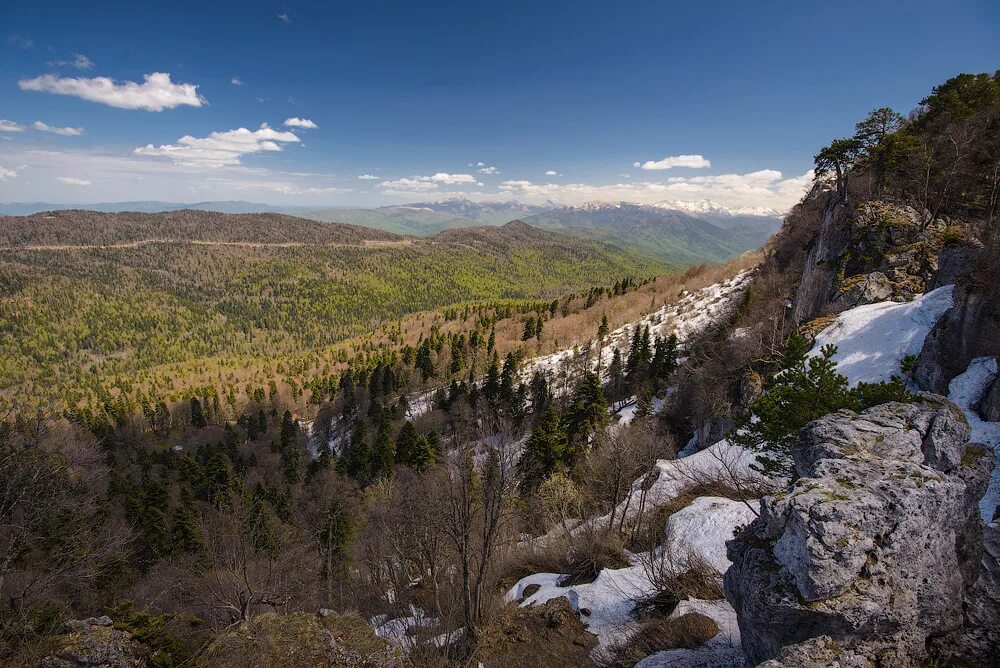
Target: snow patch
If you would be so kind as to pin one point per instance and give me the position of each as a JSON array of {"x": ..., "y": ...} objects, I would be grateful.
[
  {"x": 699, "y": 529},
  {"x": 965, "y": 390},
  {"x": 872, "y": 340}
]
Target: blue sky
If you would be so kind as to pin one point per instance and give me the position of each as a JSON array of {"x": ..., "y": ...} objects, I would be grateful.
[{"x": 718, "y": 100}]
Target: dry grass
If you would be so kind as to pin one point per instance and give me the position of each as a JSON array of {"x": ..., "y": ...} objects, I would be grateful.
[
  {"x": 581, "y": 558},
  {"x": 685, "y": 632}
]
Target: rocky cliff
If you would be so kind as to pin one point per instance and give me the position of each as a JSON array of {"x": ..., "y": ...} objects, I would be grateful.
[{"x": 873, "y": 557}]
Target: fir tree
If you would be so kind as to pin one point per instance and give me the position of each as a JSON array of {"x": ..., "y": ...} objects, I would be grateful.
[
  {"x": 197, "y": 415},
  {"x": 184, "y": 535},
  {"x": 545, "y": 451}
]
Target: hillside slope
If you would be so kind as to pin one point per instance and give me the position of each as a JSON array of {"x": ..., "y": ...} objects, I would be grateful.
[{"x": 75, "y": 312}]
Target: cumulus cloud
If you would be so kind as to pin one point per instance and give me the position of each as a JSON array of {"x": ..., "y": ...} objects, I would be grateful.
[
  {"x": 10, "y": 126},
  {"x": 220, "y": 148},
  {"x": 73, "y": 181},
  {"x": 368, "y": 177},
  {"x": 451, "y": 179},
  {"x": 80, "y": 62},
  {"x": 763, "y": 188},
  {"x": 156, "y": 93},
  {"x": 65, "y": 132},
  {"x": 551, "y": 172},
  {"x": 296, "y": 122},
  {"x": 7, "y": 174},
  {"x": 488, "y": 170},
  {"x": 692, "y": 161},
  {"x": 419, "y": 184},
  {"x": 236, "y": 81}
]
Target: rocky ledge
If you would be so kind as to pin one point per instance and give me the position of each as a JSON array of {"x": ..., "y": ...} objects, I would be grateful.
[{"x": 874, "y": 556}]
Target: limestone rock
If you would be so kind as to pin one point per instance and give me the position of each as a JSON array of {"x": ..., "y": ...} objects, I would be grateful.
[
  {"x": 300, "y": 640},
  {"x": 875, "y": 545},
  {"x": 93, "y": 643}
]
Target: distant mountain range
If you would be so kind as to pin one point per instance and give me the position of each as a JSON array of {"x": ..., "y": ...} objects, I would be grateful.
[{"x": 678, "y": 233}]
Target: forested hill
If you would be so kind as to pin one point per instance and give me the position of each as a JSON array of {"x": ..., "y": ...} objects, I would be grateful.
[
  {"x": 77, "y": 227},
  {"x": 87, "y": 298}
]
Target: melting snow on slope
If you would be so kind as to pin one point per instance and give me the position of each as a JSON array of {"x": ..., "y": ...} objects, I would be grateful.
[
  {"x": 872, "y": 340},
  {"x": 965, "y": 390},
  {"x": 689, "y": 315},
  {"x": 700, "y": 529}
]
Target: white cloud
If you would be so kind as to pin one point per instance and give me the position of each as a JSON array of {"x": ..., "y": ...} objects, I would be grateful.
[
  {"x": 692, "y": 161},
  {"x": 296, "y": 122},
  {"x": 451, "y": 179},
  {"x": 7, "y": 174},
  {"x": 763, "y": 188},
  {"x": 368, "y": 177},
  {"x": 220, "y": 148},
  {"x": 236, "y": 81},
  {"x": 156, "y": 93},
  {"x": 80, "y": 62},
  {"x": 73, "y": 181},
  {"x": 551, "y": 172},
  {"x": 284, "y": 16},
  {"x": 10, "y": 126},
  {"x": 425, "y": 183},
  {"x": 419, "y": 184},
  {"x": 65, "y": 132},
  {"x": 488, "y": 170}
]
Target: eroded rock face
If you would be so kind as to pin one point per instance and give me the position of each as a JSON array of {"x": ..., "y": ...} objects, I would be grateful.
[
  {"x": 875, "y": 546},
  {"x": 967, "y": 330}
]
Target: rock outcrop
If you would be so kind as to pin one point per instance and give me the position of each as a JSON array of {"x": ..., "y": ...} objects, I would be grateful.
[
  {"x": 870, "y": 252},
  {"x": 968, "y": 330},
  {"x": 94, "y": 642},
  {"x": 874, "y": 549},
  {"x": 300, "y": 640}
]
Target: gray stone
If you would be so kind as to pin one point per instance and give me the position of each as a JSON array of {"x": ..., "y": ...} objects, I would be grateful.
[{"x": 876, "y": 544}]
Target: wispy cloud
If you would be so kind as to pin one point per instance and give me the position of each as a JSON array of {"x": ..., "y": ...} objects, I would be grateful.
[
  {"x": 80, "y": 62},
  {"x": 488, "y": 170},
  {"x": 691, "y": 161},
  {"x": 551, "y": 172},
  {"x": 19, "y": 42},
  {"x": 156, "y": 93},
  {"x": 7, "y": 174},
  {"x": 368, "y": 177},
  {"x": 220, "y": 148},
  {"x": 65, "y": 132},
  {"x": 296, "y": 122},
  {"x": 10, "y": 126},
  {"x": 284, "y": 16},
  {"x": 73, "y": 181},
  {"x": 236, "y": 81}
]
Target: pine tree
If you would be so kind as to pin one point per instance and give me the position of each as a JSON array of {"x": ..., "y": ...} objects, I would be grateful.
[
  {"x": 544, "y": 452},
  {"x": 604, "y": 329},
  {"x": 529, "y": 329},
  {"x": 160, "y": 422},
  {"x": 197, "y": 415},
  {"x": 457, "y": 359},
  {"x": 184, "y": 533},
  {"x": 384, "y": 451},
  {"x": 491, "y": 386},
  {"x": 407, "y": 445},
  {"x": 664, "y": 357},
  {"x": 588, "y": 410}
]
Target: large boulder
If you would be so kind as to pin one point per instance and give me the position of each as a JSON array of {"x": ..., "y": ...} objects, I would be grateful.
[
  {"x": 876, "y": 544},
  {"x": 94, "y": 642},
  {"x": 300, "y": 640}
]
